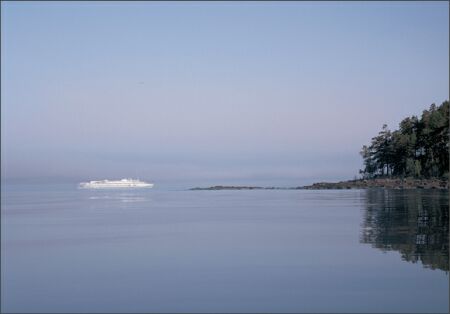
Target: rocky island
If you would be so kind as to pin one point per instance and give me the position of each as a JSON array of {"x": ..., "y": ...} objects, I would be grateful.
[
  {"x": 233, "y": 187},
  {"x": 387, "y": 183}
]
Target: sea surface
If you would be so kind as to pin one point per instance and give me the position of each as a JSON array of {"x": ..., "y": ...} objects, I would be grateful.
[{"x": 153, "y": 250}]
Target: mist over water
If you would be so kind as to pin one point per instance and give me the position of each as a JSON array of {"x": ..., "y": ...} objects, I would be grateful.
[{"x": 285, "y": 94}]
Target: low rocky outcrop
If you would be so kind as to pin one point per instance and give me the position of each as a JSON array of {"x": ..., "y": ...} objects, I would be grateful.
[{"x": 224, "y": 187}]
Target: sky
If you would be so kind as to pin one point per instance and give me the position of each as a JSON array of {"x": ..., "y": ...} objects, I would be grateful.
[{"x": 198, "y": 93}]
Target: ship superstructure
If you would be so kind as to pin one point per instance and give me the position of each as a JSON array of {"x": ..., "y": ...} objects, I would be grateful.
[{"x": 124, "y": 183}]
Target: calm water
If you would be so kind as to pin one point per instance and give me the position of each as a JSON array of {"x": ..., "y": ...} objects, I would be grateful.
[{"x": 70, "y": 250}]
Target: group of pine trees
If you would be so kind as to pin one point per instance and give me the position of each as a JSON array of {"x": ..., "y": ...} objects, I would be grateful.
[{"x": 419, "y": 148}]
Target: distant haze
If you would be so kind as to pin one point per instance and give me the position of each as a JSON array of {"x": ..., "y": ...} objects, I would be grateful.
[{"x": 212, "y": 93}]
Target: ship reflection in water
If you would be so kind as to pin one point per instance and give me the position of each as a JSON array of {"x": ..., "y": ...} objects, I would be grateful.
[
  {"x": 124, "y": 198},
  {"x": 412, "y": 222}
]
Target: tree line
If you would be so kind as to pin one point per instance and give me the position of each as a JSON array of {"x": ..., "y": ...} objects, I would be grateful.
[{"x": 419, "y": 148}]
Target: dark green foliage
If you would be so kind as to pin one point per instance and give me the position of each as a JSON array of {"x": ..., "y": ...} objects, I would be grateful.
[{"x": 419, "y": 148}]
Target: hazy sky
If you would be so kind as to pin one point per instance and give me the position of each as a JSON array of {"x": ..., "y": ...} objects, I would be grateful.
[{"x": 265, "y": 92}]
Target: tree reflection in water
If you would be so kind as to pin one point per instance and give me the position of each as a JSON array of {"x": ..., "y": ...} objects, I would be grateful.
[{"x": 412, "y": 222}]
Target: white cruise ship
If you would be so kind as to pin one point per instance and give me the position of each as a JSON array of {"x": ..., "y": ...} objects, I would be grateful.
[{"x": 124, "y": 183}]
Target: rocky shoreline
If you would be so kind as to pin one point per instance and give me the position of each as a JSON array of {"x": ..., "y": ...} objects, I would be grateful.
[{"x": 387, "y": 183}]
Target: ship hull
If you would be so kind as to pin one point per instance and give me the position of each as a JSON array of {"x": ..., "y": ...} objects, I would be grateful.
[{"x": 116, "y": 186}]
